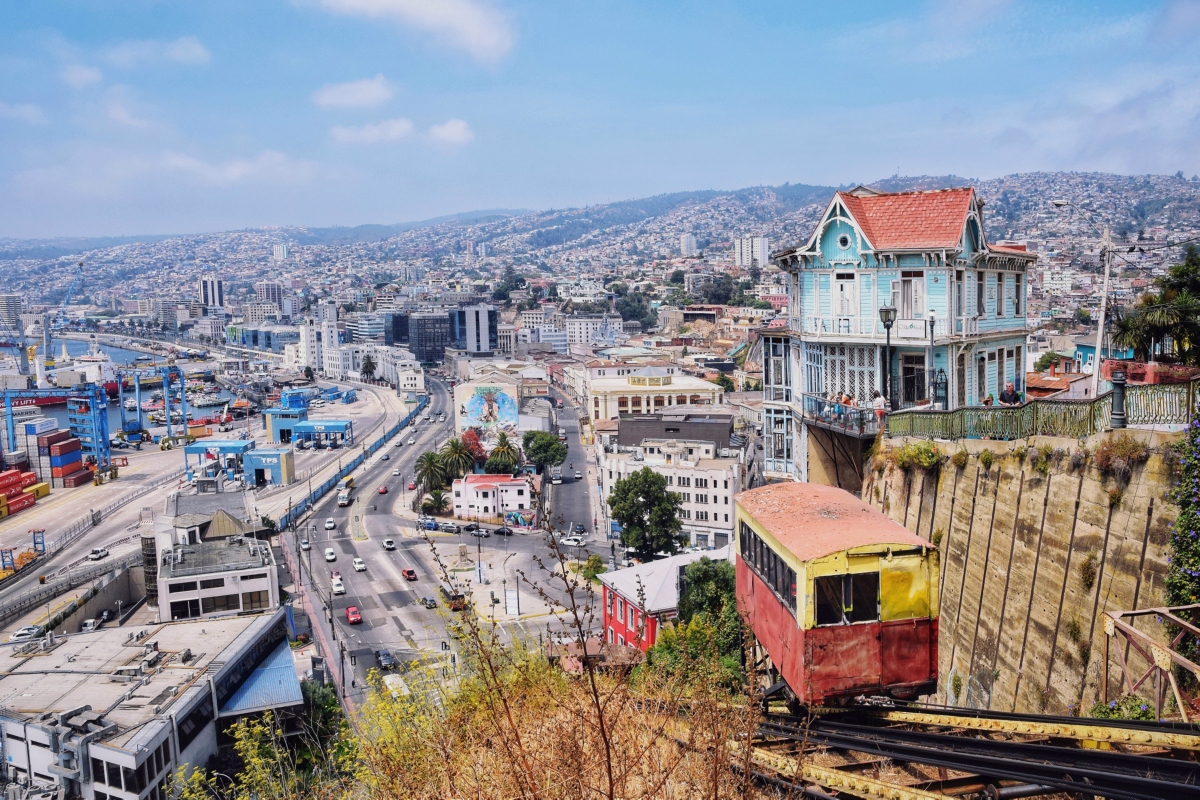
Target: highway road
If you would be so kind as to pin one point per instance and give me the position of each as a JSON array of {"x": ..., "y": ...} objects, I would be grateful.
[{"x": 393, "y": 618}]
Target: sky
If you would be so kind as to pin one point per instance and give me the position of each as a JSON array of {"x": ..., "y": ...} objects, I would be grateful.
[{"x": 126, "y": 117}]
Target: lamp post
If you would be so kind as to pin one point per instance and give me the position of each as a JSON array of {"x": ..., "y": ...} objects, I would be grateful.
[
  {"x": 887, "y": 315},
  {"x": 1106, "y": 257},
  {"x": 929, "y": 372}
]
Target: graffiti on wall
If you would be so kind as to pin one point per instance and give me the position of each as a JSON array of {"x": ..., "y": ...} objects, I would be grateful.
[
  {"x": 490, "y": 410},
  {"x": 521, "y": 519}
]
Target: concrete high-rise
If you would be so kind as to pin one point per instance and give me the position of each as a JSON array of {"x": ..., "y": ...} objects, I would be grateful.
[
  {"x": 10, "y": 309},
  {"x": 269, "y": 291},
  {"x": 429, "y": 333},
  {"x": 749, "y": 251},
  {"x": 211, "y": 291},
  {"x": 481, "y": 332},
  {"x": 279, "y": 252},
  {"x": 687, "y": 245}
]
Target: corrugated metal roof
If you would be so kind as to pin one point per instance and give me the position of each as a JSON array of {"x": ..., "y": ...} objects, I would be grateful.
[{"x": 272, "y": 685}]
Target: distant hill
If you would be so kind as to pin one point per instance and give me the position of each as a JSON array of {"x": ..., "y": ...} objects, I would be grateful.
[
  {"x": 377, "y": 233},
  {"x": 47, "y": 249}
]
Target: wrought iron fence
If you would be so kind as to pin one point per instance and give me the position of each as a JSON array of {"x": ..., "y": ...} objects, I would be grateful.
[
  {"x": 826, "y": 413},
  {"x": 1164, "y": 404}
]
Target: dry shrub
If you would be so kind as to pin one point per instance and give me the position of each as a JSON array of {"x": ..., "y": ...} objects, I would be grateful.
[{"x": 1118, "y": 455}]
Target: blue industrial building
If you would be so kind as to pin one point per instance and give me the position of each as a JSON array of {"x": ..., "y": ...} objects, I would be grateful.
[
  {"x": 324, "y": 432},
  {"x": 280, "y": 422},
  {"x": 215, "y": 457},
  {"x": 274, "y": 467}
]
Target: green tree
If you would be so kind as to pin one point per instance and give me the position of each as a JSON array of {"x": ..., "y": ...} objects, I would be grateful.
[
  {"x": 648, "y": 514},
  {"x": 308, "y": 373},
  {"x": 436, "y": 502},
  {"x": 430, "y": 472},
  {"x": 1082, "y": 316},
  {"x": 543, "y": 448},
  {"x": 499, "y": 466},
  {"x": 708, "y": 617},
  {"x": 708, "y": 588},
  {"x": 755, "y": 273},
  {"x": 618, "y": 288},
  {"x": 677, "y": 277},
  {"x": 720, "y": 291},
  {"x": 505, "y": 450},
  {"x": 593, "y": 566},
  {"x": 456, "y": 458},
  {"x": 725, "y": 382},
  {"x": 367, "y": 368},
  {"x": 1043, "y": 363}
]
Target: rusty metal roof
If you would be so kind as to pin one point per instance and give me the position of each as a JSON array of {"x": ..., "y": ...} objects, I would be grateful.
[{"x": 812, "y": 520}]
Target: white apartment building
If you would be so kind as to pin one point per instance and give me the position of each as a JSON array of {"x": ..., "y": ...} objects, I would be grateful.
[
  {"x": 259, "y": 313},
  {"x": 398, "y": 367},
  {"x": 310, "y": 345},
  {"x": 584, "y": 328},
  {"x": 687, "y": 245},
  {"x": 10, "y": 309},
  {"x": 751, "y": 250},
  {"x": 532, "y": 318},
  {"x": 342, "y": 361},
  {"x": 1058, "y": 281},
  {"x": 268, "y": 292},
  {"x": 705, "y": 478},
  {"x": 548, "y": 334},
  {"x": 211, "y": 292},
  {"x": 327, "y": 310},
  {"x": 279, "y": 252},
  {"x": 506, "y": 335},
  {"x": 488, "y": 497},
  {"x": 220, "y": 577}
]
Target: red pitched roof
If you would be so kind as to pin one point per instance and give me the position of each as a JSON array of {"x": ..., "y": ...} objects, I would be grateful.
[{"x": 912, "y": 220}]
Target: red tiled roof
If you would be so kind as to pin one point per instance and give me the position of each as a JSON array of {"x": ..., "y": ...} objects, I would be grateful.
[{"x": 911, "y": 220}]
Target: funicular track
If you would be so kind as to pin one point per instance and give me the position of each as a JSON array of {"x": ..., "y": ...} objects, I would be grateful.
[{"x": 922, "y": 752}]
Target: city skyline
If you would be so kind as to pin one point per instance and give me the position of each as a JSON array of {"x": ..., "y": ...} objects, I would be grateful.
[{"x": 343, "y": 112}]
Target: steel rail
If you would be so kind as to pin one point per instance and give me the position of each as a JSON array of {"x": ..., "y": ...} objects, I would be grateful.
[
  {"x": 1108, "y": 773},
  {"x": 1173, "y": 735}
]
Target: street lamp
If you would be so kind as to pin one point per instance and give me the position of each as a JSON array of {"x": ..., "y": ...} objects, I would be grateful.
[
  {"x": 929, "y": 374},
  {"x": 887, "y": 315},
  {"x": 1106, "y": 257}
]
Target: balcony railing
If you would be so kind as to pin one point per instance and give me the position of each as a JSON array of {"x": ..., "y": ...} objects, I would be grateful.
[
  {"x": 1161, "y": 404},
  {"x": 822, "y": 412}
]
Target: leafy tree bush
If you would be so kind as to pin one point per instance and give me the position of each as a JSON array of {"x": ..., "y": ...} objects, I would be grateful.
[
  {"x": 648, "y": 514},
  {"x": 1128, "y": 707},
  {"x": 543, "y": 448}
]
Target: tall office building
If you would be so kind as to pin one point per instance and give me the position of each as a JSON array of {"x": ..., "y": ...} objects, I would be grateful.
[
  {"x": 10, "y": 309},
  {"x": 211, "y": 291},
  {"x": 279, "y": 252},
  {"x": 481, "y": 328},
  {"x": 687, "y": 245},
  {"x": 751, "y": 250},
  {"x": 269, "y": 292},
  {"x": 429, "y": 333},
  {"x": 327, "y": 310}
]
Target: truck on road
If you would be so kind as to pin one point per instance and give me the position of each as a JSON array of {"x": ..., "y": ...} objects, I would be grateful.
[{"x": 555, "y": 475}]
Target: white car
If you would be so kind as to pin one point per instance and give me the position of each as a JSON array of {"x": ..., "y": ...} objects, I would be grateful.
[
  {"x": 571, "y": 541},
  {"x": 396, "y": 472},
  {"x": 359, "y": 565},
  {"x": 97, "y": 554},
  {"x": 411, "y": 440},
  {"x": 330, "y": 555},
  {"x": 578, "y": 475},
  {"x": 336, "y": 586},
  {"x": 330, "y": 525},
  {"x": 26, "y": 632}
]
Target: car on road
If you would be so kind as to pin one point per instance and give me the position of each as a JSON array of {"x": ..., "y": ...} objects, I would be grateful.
[
  {"x": 330, "y": 555},
  {"x": 383, "y": 490},
  {"x": 335, "y": 573},
  {"x": 359, "y": 565},
  {"x": 97, "y": 554},
  {"x": 412, "y": 485},
  {"x": 337, "y": 587},
  {"x": 25, "y": 632},
  {"x": 429, "y": 524},
  {"x": 571, "y": 541},
  {"x": 90, "y": 625},
  {"x": 330, "y": 525},
  {"x": 429, "y": 602},
  {"x": 578, "y": 475},
  {"x": 389, "y": 544},
  {"x": 305, "y": 545},
  {"x": 503, "y": 530},
  {"x": 408, "y": 574},
  {"x": 399, "y": 442},
  {"x": 385, "y": 457},
  {"x": 105, "y": 615},
  {"x": 471, "y": 527},
  {"x": 411, "y": 440},
  {"x": 579, "y": 528},
  {"x": 481, "y": 532},
  {"x": 454, "y": 599},
  {"x": 396, "y": 472},
  {"x": 353, "y": 615},
  {"x": 449, "y": 527},
  {"x": 385, "y": 660}
]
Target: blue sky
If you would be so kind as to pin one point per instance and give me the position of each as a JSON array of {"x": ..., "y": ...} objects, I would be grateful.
[{"x": 129, "y": 117}]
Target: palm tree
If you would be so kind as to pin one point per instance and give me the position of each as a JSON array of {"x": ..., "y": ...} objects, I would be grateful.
[
  {"x": 457, "y": 458},
  {"x": 431, "y": 473},
  {"x": 436, "y": 502},
  {"x": 505, "y": 450},
  {"x": 367, "y": 369}
]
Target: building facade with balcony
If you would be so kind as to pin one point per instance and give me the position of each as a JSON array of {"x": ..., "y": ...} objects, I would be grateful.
[{"x": 923, "y": 254}]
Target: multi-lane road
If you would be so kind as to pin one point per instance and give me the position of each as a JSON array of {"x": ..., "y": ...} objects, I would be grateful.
[{"x": 393, "y": 616}]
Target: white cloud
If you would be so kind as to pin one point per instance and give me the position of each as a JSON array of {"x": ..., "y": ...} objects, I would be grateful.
[
  {"x": 366, "y": 93},
  {"x": 78, "y": 76},
  {"x": 452, "y": 131},
  {"x": 22, "y": 112},
  {"x": 184, "y": 50},
  {"x": 269, "y": 165},
  {"x": 119, "y": 109},
  {"x": 474, "y": 26},
  {"x": 390, "y": 130}
]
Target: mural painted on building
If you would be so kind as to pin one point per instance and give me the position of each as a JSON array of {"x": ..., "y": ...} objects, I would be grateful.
[
  {"x": 490, "y": 411},
  {"x": 521, "y": 519}
]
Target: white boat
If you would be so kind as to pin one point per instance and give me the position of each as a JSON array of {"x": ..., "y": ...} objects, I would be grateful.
[
  {"x": 130, "y": 404},
  {"x": 204, "y": 400}
]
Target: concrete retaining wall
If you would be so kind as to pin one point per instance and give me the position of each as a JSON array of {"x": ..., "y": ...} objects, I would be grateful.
[{"x": 1021, "y": 628}]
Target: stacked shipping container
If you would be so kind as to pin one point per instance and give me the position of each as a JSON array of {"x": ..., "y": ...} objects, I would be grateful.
[{"x": 17, "y": 491}]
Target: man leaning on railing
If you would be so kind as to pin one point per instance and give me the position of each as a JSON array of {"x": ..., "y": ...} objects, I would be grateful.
[{"x": 1010, "y": 396}]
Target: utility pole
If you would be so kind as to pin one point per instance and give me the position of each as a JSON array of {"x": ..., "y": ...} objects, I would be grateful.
[{"x": 1106, "y": 256}]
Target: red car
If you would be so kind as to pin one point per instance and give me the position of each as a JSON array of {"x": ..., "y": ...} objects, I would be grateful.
[
  {"x": 412, "y": 485},
  {"x": 383, "y": 490},
  {"x": 333, "y": 573},
  {"x": 409, "y": 574},
  {"x": 353, "y": 615}
]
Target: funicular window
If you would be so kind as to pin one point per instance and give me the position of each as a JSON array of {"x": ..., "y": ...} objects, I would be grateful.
[
  {"x": 846, "y": 599},
  {"x": 769, "y": 566}
]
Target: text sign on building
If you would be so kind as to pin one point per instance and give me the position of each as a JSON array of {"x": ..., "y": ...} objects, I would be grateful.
[{"x": 911, "y": 329}]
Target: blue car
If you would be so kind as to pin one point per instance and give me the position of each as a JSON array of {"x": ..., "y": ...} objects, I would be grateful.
[{"x": 430, "y": 525}]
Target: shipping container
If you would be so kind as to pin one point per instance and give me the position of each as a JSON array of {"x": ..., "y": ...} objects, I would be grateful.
[
  {"x": 47, "y": 439},
  {"x": 66, "y": 460},
  {"x": 39, "y": 426},
  {"x": 12, "y": 491},
  {"x": 10, "y": 476},
  {"x": 80, "y": 478},
  {"x": 28, "y": 479},
  {"x": 38, "y": 489},
  {"x": 62, "y": 448},
  {"x": 15, "y": 504}
]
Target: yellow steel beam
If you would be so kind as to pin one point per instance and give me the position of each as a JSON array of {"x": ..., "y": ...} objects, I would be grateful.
[
  {"x": 838, "y": 780},
  {"x": 1095, "y": 731}
]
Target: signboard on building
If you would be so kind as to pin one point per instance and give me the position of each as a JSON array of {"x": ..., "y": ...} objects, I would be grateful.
[{"x": 910, "y": 329}]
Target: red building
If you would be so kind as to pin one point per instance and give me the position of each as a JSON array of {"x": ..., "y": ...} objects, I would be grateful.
[{"x": 639, "y": 600}]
